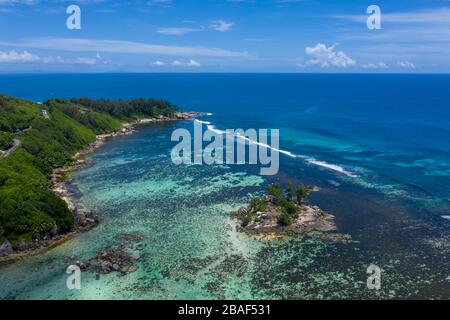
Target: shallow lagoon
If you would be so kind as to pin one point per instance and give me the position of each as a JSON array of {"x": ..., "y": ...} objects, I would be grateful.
[
  {"x": 392, "y": 209},
  {"x": 191, "y": 247}
]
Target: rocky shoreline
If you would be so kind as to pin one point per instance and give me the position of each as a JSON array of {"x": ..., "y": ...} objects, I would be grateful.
[
  {"x": 84, "y": 220},
  {"x": 265, "y": 218},
  {"x": 121, "y": 259},
  {"x": 265, "y": 225}
]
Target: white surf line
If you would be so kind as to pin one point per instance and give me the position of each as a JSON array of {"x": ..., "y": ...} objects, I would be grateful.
[
  {"x": 313, "y": 161},
  {"x": 244, "y": 138},
  {"x": 201, "y": 121},
  {"x": 330, "y": 166},
  {"x": 288, "y": 153},
  {"x": 213, "y": 129},
  {"x": 446, "y": 217}
]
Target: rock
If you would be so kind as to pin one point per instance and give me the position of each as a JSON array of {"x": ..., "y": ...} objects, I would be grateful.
[
  {"x": 55, "y": 230},
  {"x": 6, "y": 248},
  {"x": 132, "y": 269},
  {"x": 137, "y": 236},
  {"x": 179, "y": 115},
  {"x": 251, "y": 225},
  {"x": 111, "y": 260},
  {"x": 24, "y": 245},
  {"x": 81, "y": 265},
  {"x": 242, "y": 211}
]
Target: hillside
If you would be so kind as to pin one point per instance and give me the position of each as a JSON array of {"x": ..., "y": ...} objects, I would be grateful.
[{"x": 37, "y": 138}]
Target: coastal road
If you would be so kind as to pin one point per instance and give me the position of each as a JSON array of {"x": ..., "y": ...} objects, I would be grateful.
[
  {"x": 16, "y": 144},
  {"x": 45, "y": 114}
]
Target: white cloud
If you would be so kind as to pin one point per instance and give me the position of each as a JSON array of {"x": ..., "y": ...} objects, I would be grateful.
[
  {"x": 162, "y": 3},
  {"x": 34, "y": 2},
  {"x": 439, "y": 15},
  {"x": 83, "y": 60},
  {"x": 190, "y": 63},
  {"x": 406, "y": 65},
  {"x": 221, "y": 25},
  {"x": 405, "y": 27},
  {"x": 26, "y": 57},
  {"x": 375, "y": 65},
  {"x": 28, "y": 2},
  {"x": 158, "y": 63},
  {"x": 193, "y": 63},
  {"x": 326, "y": 57},
  {"x": 17, "y": 57},
  {"x": 118, "y": 46},
  {"x": 176, "y": 31}
]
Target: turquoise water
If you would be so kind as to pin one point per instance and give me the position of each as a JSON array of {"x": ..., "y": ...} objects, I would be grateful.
[{"x": 380, "y": 157}]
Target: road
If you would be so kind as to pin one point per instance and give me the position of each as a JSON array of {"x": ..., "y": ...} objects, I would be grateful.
[
  {"x": 45, "y": 114},
  {"x": 16, "y": 144}
]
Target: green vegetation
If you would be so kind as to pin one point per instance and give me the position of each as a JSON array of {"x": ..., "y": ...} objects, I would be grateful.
[
  {"x": 247, "y": 218},
  {"x": 121, "y": 109},
  {"x": 276, "y": 192},
  {"x": 288, "y": 201},
  {"x": 285, "y": 219},
  {"x": 302, "y": 192},
  {"x": 6, "y": 140},
  {"x": 258, "y": 204},
  {"x": 290, "y": 208},
  {"x": 28, "y": 207}
]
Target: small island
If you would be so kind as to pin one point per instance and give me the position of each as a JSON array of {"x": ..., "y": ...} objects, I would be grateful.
[{"x": 283, "y": 212}]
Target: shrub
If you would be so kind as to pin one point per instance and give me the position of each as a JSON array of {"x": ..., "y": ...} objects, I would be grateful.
[
  {"x": 290, "y": 208},
  {"x": 247, "y": 218},
  {"x": 284, "y": 219},
  {"x": 258, "y": 204}
]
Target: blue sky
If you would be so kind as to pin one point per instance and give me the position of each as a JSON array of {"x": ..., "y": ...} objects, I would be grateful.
[{"x": 224, "y": 36}]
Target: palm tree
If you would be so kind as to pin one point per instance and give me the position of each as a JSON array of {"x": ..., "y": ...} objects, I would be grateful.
[
  {"x": 290, "y": 191},
  {"x": 302, "y": 193}
]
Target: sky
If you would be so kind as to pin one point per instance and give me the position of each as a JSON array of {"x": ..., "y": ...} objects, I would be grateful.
[{"x": 225, "y": 36}]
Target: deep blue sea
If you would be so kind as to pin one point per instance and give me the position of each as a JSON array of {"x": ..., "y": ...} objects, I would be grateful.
[{"x": 378, "y": 147}]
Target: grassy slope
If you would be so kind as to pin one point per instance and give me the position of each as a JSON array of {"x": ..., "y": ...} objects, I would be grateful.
[{"x": 28, "y": 207}]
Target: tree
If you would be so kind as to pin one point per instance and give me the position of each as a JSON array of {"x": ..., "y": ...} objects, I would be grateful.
[
  {"x": 290, "y": 191},
  {"x": 277, "y": 192},
  {"x": 302, "y": 193}
]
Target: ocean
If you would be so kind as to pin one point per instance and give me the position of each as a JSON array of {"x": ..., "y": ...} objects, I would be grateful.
[{"x": 377, "y": 146}]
